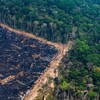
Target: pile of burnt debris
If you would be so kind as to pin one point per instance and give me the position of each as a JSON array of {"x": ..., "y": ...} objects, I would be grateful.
[{"x": 21, "y": 55}]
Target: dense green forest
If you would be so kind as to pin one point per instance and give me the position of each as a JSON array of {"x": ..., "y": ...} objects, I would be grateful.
[
  {"x": 54, "y": 20},
  {"x": 79, "y": 72}
]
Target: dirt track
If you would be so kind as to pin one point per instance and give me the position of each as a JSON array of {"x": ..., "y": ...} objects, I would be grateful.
[
  {"x": 50, "y": 71},
  {"x": 57, "y": 45},
  {"x": 54, "y": 64}
]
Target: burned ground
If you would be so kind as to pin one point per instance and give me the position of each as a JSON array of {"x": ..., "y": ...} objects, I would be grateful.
[{"x": 21, "y": 54}]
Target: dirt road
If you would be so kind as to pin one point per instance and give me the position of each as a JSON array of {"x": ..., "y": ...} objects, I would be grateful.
[
  {"x": 31, "y": 94},
  {"x": 50, "y": 71},
  {"x": 30, "y": 35}
]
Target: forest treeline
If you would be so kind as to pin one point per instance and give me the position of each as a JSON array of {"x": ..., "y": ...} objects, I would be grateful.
[
  {"x": 54, "y": 20},
  {"x": 79, "y": 72},
  {"x": 51, "y": 19}
]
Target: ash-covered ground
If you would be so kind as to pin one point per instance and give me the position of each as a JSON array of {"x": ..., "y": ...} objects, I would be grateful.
[{"x": 19, "y": 53}]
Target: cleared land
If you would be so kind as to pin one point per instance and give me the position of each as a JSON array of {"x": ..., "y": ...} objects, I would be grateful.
[
  {"x": 22, "y": 61},
  {"x": 35, "y": 58}
]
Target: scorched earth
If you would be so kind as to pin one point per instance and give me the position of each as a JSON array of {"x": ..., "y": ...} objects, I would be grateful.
[{"x": 22, "y": 61}]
